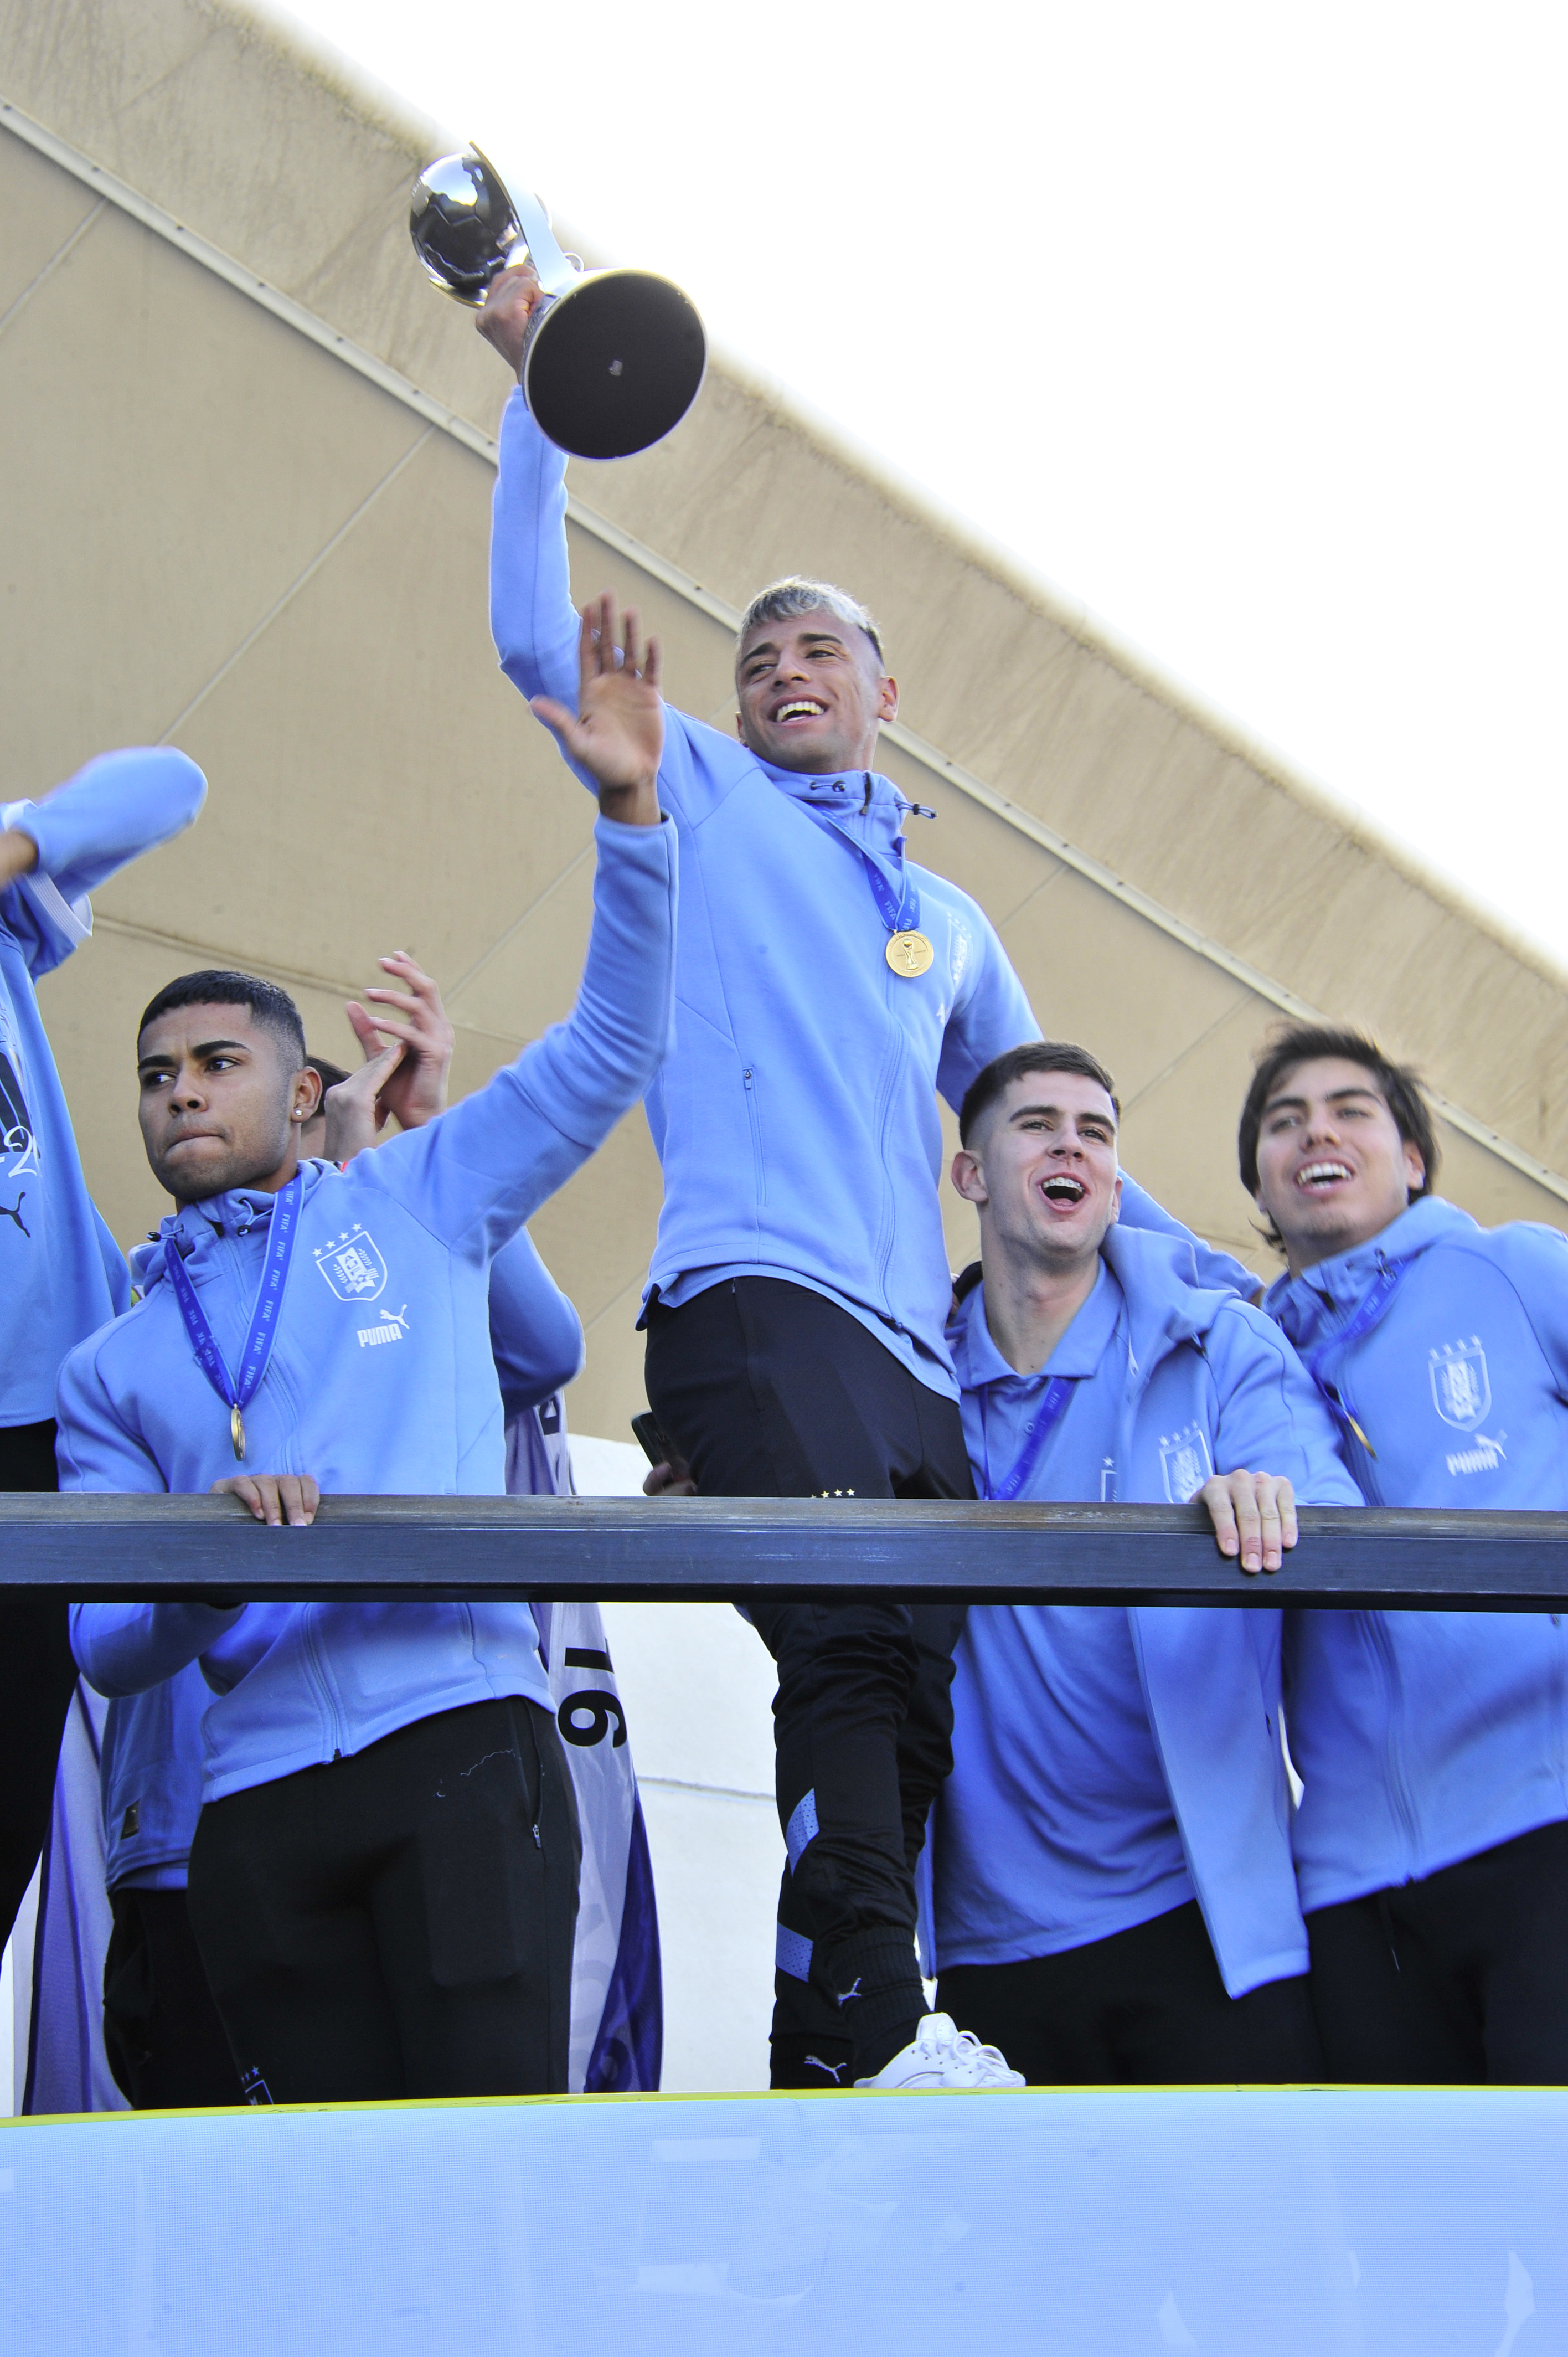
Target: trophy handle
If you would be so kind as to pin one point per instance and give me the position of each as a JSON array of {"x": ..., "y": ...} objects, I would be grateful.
[{"x": 555, "y": 272}]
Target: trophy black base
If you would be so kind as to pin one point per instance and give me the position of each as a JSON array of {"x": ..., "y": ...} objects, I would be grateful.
[{"x": 613, "y": 364}]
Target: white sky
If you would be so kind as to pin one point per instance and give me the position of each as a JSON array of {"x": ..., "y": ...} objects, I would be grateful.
[{"x": 1276, "y": 294}]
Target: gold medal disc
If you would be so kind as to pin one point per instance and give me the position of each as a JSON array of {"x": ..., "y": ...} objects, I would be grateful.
[
  {"x": 237, "y": 1433},
  {"x": 909, "y": 954}
]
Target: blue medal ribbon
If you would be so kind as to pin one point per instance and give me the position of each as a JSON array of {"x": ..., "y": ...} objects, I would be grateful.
[
  {"x": 1374, "y": 1303},
  {"x": 900, "y": 913},
  {"x": 263, "y": 1330},
  {"x": 1055, "y": 1401}
]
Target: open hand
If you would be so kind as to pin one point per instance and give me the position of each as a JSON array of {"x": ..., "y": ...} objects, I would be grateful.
[
  {"x": 1253, "y": 1516},
  {"x": 413, "y": 1089},
  {"x": 273, "y": 1497},
  {"x": 514, "y": 294},
  {"x": 617, "y": 731}
]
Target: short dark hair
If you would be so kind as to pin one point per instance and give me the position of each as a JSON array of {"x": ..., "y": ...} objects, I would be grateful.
[
  {"x": 332, "y": 1075},
  {"x": 1034, "y": 1056},
  {"x": 217, "y": 986},
  {"x": 788, "y": 600},
  {"x": 1305, "y": 1043}
]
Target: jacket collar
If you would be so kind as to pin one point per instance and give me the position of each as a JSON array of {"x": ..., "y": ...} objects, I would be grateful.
[
  {"x": 1145, "y": 1287},
  {"x": 197, "y": 1227},
  {"x": 868, "y": 803},
  {"x": 1316, "y": 1300}
]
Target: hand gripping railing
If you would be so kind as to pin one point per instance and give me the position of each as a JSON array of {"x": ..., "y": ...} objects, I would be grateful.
[{"x": 379, "y": 1549}]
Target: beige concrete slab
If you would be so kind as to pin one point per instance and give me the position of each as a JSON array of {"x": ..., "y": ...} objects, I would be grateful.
[
  {"x": 169, "y": 488},
  {"x": 43, "y": 210}
]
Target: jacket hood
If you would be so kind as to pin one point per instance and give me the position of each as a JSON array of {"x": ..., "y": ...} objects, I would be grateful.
[
  {"x": 1164, "y": 1306},
  {"x": 1304, "y": 1305},
  {"x": 197, "y": 1226}
]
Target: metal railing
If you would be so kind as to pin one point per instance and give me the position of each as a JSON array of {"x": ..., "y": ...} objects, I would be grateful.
[{"x": 393, "y": 1548}]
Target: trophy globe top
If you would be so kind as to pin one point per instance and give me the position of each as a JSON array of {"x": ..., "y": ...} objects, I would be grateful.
[{"x": 462, "y": 225}]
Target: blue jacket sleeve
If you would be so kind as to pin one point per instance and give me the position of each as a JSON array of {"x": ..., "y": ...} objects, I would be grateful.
[
  {"x": 1534, "y": 1259},
  {"x": 535, "y": 1333},
  {"x": 476, "y": 1174},
  {"x": 94, "y": 1449},
  {"x": 1214, "y": 1272},
  {"x": 118, "y": 806},
  {"x": 532, "y": 619},
  {"x": 123, "y": 1649},
  {"x": 992, "y": 1014},
  {"x": 1272, "y": 1418}
]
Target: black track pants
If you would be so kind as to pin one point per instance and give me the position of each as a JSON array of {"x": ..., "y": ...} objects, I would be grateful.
[
  {"x": 161, "y": 2032},
  {"x": 399, "y": 1923},
  {"x": 38, "y": 1678},
  {"x": 1144, "y": 2007},
  {"x": 1460, "y": 1979},
  {"x": 772, "y": 1391}
]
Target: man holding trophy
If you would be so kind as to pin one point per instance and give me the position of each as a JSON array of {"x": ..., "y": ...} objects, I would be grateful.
[{"x": 795, "y": 1312}]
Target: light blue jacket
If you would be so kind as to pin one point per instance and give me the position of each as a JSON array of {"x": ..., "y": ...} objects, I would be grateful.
[
  {"x": 1425, "y": 1737},
  {"x": 62, "y": 1273},
  {"x": 382, "y": 1378},
  {"x": 150, "y": 1769},
  {"x": 796, "y": 1118},
  {"x": 1203, "y": 1384}
]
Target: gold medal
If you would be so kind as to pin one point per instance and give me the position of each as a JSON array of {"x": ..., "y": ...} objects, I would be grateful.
[
  {"x": 909, "y": 954},
  {"x": 237, "y": 1432}
]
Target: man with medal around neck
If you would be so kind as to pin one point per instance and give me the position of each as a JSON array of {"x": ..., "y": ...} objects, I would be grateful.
[
  {"x": 1432, "y": 1842},
  {"x": 1113, "y": 1891},
  {"x": 827, "y": 990},
  {"x": 383, "y": 1881}
]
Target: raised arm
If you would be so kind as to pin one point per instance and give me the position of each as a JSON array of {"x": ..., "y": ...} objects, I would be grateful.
[
  {"x": 477, "y": 1173},
  {"x": 532, "y": 619},
  {"x": 54, "y": 852}
]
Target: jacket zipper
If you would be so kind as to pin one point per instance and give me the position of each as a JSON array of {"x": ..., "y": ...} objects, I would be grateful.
[
  {"x": 758, "y": 1168},
  {"x": 315, "y": 1669},
  {"x": 1394, "y": 1743}
]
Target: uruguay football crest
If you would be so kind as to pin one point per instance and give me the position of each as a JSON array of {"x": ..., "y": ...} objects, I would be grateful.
[
  {"x": 1461, "y": 1387},
  {"x": 1185, "y": 1463},
  {"x": 353, "y": 1265}
]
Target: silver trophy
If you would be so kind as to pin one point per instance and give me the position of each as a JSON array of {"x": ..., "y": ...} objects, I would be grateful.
[{"x": 614, "y": 358}]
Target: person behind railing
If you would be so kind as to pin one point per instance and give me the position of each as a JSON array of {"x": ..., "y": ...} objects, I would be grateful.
[
  {"x": 163, "y": 2041},
  {"x": 1111, "y": 1864},
  {"x": 61, "y": 1273},
  {"x": 383, "y": 1876},
  {"x": 798, "y": 1295},
  {"x": 1432, "y": 1842}
]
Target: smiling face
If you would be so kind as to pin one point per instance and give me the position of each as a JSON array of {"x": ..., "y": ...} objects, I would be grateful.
[
  {"x": 220, "y": 1102},
  {"x": 812, "y": 694},
  {"x": 1042, "y": 1171},
  {"x": 1333, "y": 1170}
]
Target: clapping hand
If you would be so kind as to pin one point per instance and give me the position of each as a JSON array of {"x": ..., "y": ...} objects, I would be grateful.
[
  {"x": 406, "y": 1079},
  {"x": 617, "y": 731}
]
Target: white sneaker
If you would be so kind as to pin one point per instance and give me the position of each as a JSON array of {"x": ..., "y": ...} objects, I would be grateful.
[{"x": 942, "y": 2056}]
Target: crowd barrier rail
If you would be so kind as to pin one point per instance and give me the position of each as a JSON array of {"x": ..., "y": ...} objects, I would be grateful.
[{"x": 102, "y": 1548}]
